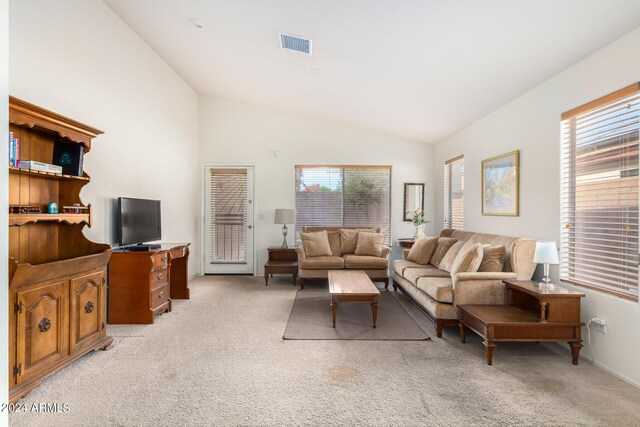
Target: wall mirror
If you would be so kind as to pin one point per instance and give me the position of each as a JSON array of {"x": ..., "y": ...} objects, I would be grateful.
[{"x": 413, "y": 199}]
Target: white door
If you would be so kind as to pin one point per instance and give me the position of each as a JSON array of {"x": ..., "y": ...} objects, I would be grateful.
[{"x": 229, "y": 220}]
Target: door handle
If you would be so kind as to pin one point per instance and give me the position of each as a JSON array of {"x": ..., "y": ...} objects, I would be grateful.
[{"x": 250, "y": 226}]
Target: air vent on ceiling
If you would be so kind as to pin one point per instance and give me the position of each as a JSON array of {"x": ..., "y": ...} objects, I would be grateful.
[{"x": 295, "y": 43}]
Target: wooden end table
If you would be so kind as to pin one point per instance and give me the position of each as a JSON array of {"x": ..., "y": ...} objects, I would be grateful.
[
  {"x": 406, "y": 243},
  {"x": 281, "y": 261},
  {"x": 532, "y": 313},
  {"x": 354, "y": 287}
]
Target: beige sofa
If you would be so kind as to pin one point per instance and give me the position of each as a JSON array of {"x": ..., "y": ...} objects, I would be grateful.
[
  {"x": 377, "y": 268},
  {"x": 437, "y": 293}
]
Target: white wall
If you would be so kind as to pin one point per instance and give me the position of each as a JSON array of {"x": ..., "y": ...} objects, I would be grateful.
[
  {"x": 531, "y": 123},
  {"x": 4, "y": 206},
  {"x": 238, "y": 133},
  {"x": 81, "y": 60}
]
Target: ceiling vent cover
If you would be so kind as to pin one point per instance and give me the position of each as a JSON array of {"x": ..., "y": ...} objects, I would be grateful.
[{"x": 295, "y": 43}]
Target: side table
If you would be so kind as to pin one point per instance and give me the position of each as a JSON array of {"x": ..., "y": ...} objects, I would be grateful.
[
  {"x": 281, "y": 261},
  {"x": 532, "y": 313},
  {"x": 406, "y": 243}
]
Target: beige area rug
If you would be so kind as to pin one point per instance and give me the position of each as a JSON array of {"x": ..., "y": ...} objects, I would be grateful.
[
  {"x": 219, "y": 359},
  {"x": 310, "y": 319}
]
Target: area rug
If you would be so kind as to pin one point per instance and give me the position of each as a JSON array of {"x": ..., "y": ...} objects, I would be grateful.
[{"x": 310, "y": 319}]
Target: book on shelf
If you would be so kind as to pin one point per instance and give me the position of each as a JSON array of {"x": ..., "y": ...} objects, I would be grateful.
[
  {"x": 39, "y": 166},
  {"x": 14, "y": 149},
  {"x": 69, "y": 156}
]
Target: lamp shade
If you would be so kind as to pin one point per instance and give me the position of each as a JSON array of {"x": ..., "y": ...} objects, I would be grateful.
[
  {"x": 546, "y": 253},
  {"x": 285, "y": 216}
]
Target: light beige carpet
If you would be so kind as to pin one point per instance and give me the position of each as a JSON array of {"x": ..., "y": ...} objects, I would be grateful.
[
  {"x": 310, "y": 319},
  {"x": 219, "y": 359}
]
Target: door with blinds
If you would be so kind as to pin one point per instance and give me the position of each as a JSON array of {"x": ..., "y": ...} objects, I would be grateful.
[{"x": 229, "y": 220}]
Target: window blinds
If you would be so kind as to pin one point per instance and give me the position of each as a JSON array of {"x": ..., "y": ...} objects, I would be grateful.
[
  {"x": 349, "y": 196},
  {"x": 600, "y": 194},
  {"x": 228, "y": 208},
  {"x": 454, "y": 193}
]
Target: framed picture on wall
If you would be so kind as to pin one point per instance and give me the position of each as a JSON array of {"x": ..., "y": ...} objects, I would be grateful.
[{"x": 500, "y": 182}]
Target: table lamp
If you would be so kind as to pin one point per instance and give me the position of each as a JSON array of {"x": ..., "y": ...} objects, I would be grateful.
[
  {"x": 285, "y": 216},
  {"x": 546, "y": 253}
]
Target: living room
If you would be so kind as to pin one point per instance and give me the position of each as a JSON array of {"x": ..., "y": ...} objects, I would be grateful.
[{"x": 418, "y": 92}]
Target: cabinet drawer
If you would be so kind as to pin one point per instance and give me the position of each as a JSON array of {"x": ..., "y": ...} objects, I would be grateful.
[
  {"x": 159, "y": 296},
  {"x": 178, "y": 252},
  {"x": 158, "y": 279},
  {"x": 160, "y": 261}
]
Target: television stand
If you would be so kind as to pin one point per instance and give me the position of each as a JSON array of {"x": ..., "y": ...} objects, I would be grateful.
[
  {"x": 142, "y": 284},
  {"x": 142, "y": 247}
]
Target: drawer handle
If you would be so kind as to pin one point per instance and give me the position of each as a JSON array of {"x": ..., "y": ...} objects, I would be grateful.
[
  {"x": 44, "y": 325},
  {"x": 160, "y": 294},
  {"x": 159, "y": 276},
  {"x": 88, "y": 307}
]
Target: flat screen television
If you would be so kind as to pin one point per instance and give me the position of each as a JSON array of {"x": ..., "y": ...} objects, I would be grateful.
[{"x": 138, "y": 221}]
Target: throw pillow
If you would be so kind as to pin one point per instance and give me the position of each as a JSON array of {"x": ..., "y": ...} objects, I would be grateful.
[
  {"x": 349, "y": 239},
  {"x": 334, "y": 242},
  {"x": 447, "y": 261},
  {"x": 444, "y": 244},
  {"x": 468, "y": 259},
  {"x": 422, "y": 250},
  {"x": 492, "y": 258},
  {"x": 316, "y": 244},
  {"x": 370, "y": 244}
]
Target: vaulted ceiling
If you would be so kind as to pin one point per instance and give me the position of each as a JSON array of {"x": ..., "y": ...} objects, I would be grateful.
[{"x": 420, "y": 69}]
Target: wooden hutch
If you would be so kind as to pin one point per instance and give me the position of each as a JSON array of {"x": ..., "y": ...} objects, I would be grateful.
[{"x": 57, "y": 277}]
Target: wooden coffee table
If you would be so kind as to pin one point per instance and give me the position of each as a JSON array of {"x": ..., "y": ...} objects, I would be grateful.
[{"x": 354, "y": 287}]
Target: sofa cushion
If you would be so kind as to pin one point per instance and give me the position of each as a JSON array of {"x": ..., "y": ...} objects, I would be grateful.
[
  {"x": 400, "y": 265},
  {"x": 316, "y": 244},
  {"x": 468, "y": 259},
  {"x": 413, "y": 274},
  {"x": 438, "y": 288},
  {"x": 370, "y": 244},
  {"x": 492, "y": 258},
  {"x": 334, "y": 243},
  {"x": 349, "y": 239},
  {"x": 422, "y": 250},
  {"x": 362, "y": 262},
  {"x": 444, "y": 244},
  {"x": 322, "y": 262},
  {"x": 451, "y": 254}
]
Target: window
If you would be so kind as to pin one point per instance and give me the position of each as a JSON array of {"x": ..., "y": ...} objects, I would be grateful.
[
  {"x": 454, "y": 193},
  {"x": 349, "y": 196},
  {"x": 599, "y": 236}
]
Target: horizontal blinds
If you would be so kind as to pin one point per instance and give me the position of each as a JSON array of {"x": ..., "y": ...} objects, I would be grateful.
[
  {"x": 600, "y": 194},
  {"x": 343, "y": 196},
  {"x": 228, "y": 229},
  {"x": 454, "y": 193}
]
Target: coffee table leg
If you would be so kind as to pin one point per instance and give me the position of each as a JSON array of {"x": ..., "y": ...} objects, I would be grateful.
[
  {"x": 334, "y": 312},
  {"x": 374, "y": 310},
  {"x": 490, "y": 347},
  {"x": 463, "y": 332}
]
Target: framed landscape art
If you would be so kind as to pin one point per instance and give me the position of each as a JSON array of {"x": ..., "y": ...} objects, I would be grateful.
[{"x": 500, "y": 182}]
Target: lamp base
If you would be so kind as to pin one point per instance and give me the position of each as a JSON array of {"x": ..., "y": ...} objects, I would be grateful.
[{"x": 285, "y": 231}]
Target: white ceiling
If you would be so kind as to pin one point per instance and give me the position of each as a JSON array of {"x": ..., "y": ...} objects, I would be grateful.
[{"x": 420, "y": 69}]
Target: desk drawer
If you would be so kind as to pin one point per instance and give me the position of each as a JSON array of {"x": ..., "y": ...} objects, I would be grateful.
[
  {"x": 160, "y": 261},
  {"x": 158, "y": 278},
  {"x": 159, "y": 296}
]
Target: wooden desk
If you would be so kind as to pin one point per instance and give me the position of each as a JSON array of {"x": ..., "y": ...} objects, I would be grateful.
[
  {"x": 281, "y": 261},
  {"x": 532, "y": 313},
  {"x": 141, "y": 284}
]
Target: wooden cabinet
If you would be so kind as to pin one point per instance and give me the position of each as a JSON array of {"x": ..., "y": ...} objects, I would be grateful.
[
  {"x": 141, "y": 284},
  {"x": 57, "y": 288}
]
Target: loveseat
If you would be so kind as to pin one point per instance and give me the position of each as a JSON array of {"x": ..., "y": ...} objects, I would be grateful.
[
  {"x": 439, "y": 283},
  {"x": 342, "y": 257}
]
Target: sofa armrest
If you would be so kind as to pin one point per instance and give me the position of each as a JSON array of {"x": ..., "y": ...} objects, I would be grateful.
[
  {"x": 300, "y": 252},
  {"x": 405, "y": 253},
  {"x": 386, "y": 251},
  {"x": 480, "y": 288}
]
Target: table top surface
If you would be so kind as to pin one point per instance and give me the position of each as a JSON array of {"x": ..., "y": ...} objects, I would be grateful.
[
  {"x": 548, "y": 291},
  {"x": 354, "y": 282}
]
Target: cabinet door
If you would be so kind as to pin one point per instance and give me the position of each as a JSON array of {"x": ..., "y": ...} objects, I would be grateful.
[
  {"x": 42, "y": 329},
  {"x": 87, "y": 309}
]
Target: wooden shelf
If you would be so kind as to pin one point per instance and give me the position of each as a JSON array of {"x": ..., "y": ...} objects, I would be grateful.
[
  {"x": 49, "y": 175},
  {"x": 22, "y": 219}
]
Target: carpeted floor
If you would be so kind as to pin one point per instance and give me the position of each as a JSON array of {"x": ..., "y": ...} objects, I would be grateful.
[{"x": 219, "y": 359}]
